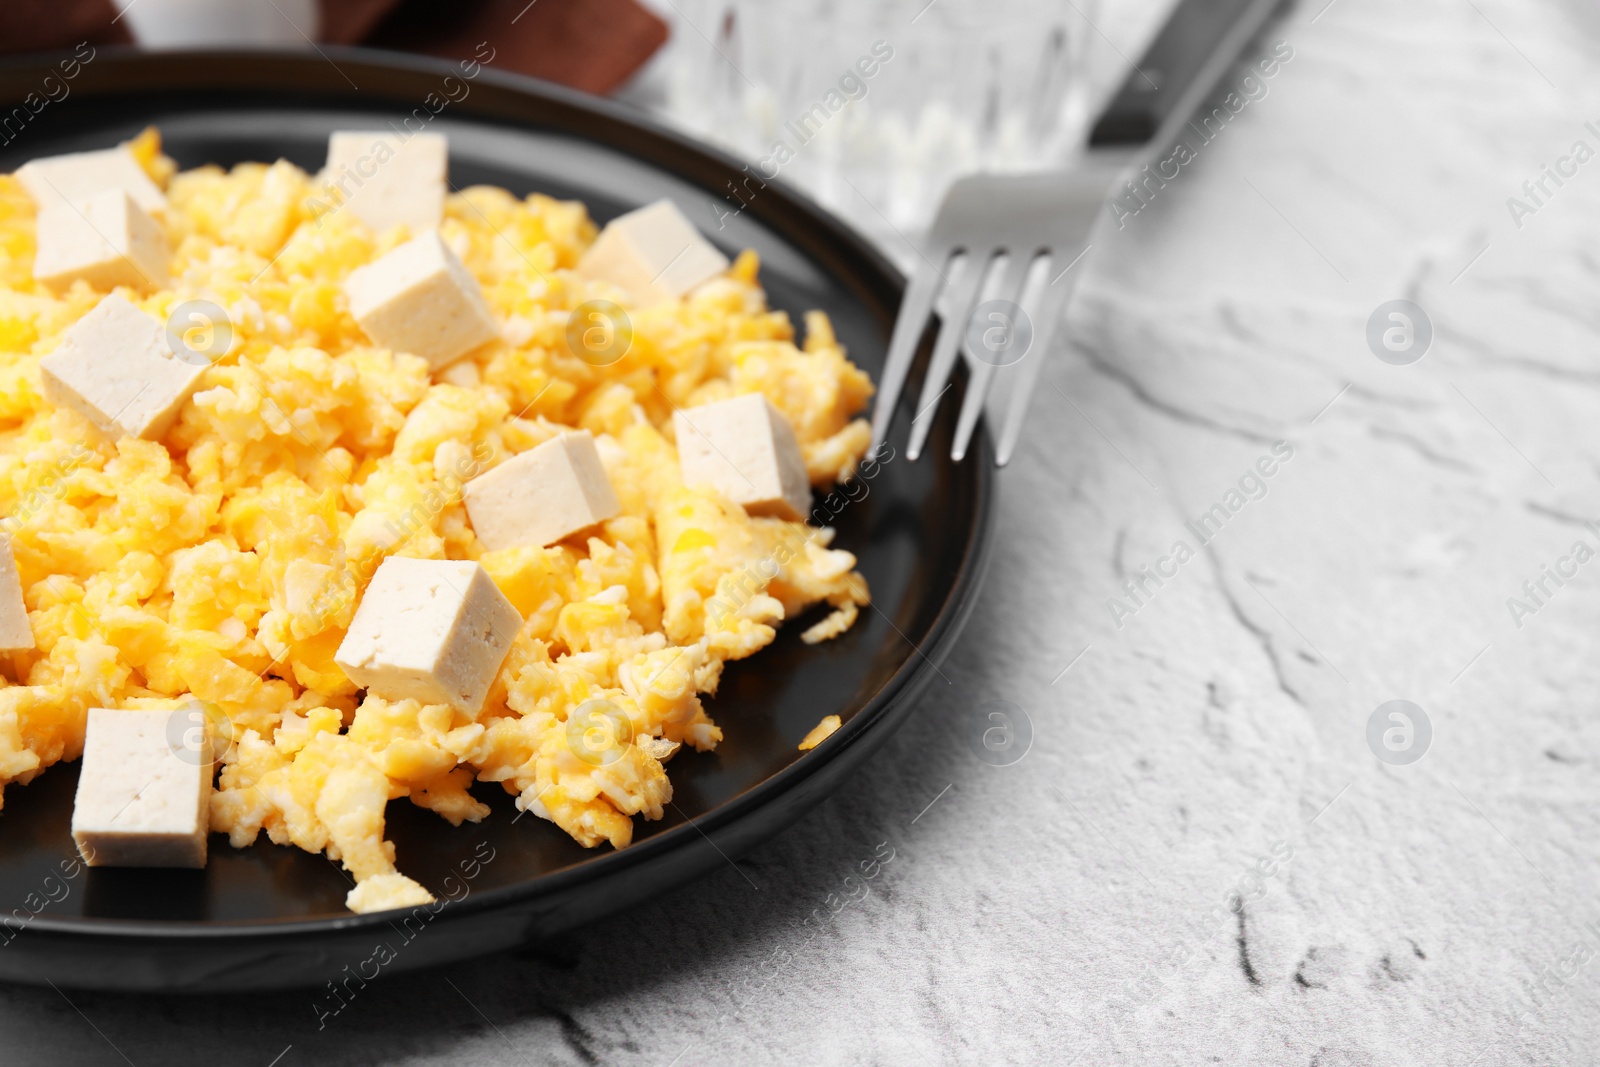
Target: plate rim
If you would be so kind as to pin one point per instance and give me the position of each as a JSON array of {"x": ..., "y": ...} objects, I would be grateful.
[{"x": 247, "y": 64}]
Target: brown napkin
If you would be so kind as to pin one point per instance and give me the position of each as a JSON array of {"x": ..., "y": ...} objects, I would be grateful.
[
  {"x": 594, "y": 45},
  {"x": 40, "y": 25},
  {"x": 350, "y": 21}
]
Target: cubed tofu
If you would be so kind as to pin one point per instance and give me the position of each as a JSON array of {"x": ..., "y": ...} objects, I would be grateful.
[
  {"x": 432, "y": 630},
  {"x": 387, "y": 180},
  {"x": 107, "y": 240},
  {"x": 115, "y": 368},
  {"x": 73, "y": 178},
  {"x": 653, "y": 254},
  {"x": 144, "y": 789},
  {"x": 16, "y": 635},
  {"x": 542, "y": 495},
  {"x": 744, "y": 449},
  {"x": 421, "y": 299}
]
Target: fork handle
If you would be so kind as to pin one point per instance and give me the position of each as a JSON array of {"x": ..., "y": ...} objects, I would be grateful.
[{"x": 1199, "y": 43}]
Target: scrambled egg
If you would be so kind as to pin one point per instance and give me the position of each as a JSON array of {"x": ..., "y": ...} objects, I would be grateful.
[{"x": 224, "y": 562}]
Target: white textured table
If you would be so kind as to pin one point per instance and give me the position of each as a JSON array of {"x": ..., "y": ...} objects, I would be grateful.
[{"x": 1074, "y": 904}]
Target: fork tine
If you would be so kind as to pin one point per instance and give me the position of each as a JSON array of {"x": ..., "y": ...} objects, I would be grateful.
[
  {"x": 1010, "y": 288},
  {"x": 1052, "y": 305},
  {"x": 963, "y": 294},
  {"x": 908, "y": 326}
]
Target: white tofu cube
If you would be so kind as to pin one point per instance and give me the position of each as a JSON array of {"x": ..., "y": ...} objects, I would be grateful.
[
  {"x": 542, "y": 495},
  {"x": 421, "y": 299},
  {"x": 75, "y": 177},
  {"x": 144, "y": 789},
  {"x": 746, "y": 450},
  {"x": 107, "y": 240},
  {"x": 16, "y": 635},
  {"x": 115, "y": 368},
  {"x": 653, "y": 254},
  {"x": 388, "y": 180},
  {"x": 433, "y": 630}
]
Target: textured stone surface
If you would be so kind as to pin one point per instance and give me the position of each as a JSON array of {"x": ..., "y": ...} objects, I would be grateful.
[{"x": 1226, "y": 716}]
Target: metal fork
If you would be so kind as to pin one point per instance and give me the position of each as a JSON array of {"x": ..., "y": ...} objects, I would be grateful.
[
  {"x": 1025, "y": 217},
  {"x": 983, "y": 217}
]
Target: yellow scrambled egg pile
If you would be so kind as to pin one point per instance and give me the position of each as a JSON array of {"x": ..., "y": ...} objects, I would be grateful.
[{"x": 224, "y": 562}]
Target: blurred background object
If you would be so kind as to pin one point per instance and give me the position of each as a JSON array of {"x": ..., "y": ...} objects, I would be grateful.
[
  {"x": 593, "y": 45},
  {"x": 872, "y": 106},
  {"x": 204, "y": 23},
  {"x": 40, "y": 25},
  {"x": 876, "y": 107}
]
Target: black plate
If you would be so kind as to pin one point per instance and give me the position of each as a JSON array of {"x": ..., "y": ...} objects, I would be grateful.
[{"x": 272, "y": 916}]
